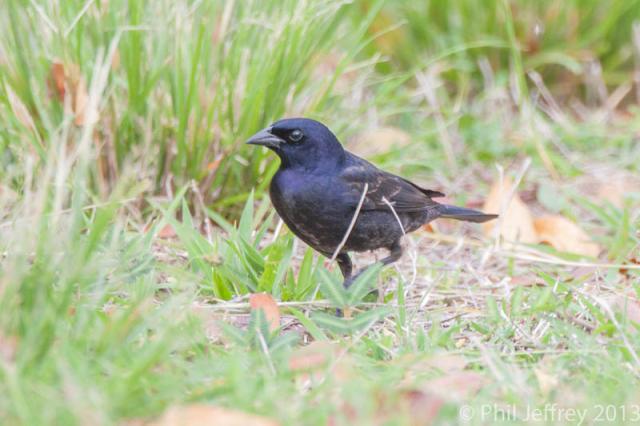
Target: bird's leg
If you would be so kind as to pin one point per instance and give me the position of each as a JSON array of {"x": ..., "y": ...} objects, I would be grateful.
[
  {"x": 346, "y": 267},
  {"x": 395, "y": 253},
  {"x": 344, "y": 262}
]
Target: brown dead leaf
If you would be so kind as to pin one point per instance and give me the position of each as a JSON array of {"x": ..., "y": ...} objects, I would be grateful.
[
  {"x": 207, "y": 415},
  {"x": 167, "y": 231},
  {"x": 57, "y": 80},
  {"x": 516, "y": 221},
  {"x": 264, "y": 302},
  {"x": 67, "y": 80},
  {"x": 379, "y": 140},
  {"x": 564, "y": 235}
]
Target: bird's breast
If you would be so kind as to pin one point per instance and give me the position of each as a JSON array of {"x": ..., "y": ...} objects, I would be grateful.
[{"x": 312, "y": 207}]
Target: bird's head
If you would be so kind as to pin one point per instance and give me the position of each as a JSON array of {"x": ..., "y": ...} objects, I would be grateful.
[{"x": 301, "y": 142}]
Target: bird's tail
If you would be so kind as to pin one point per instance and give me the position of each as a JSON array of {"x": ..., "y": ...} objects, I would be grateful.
[{"x": 461, "y": 213}]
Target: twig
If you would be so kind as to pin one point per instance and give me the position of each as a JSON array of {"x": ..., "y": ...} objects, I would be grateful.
[
  {"x": 276, "y": 232},
  {"x": 352, "y": 224},
  {"x": 384, "y": 200}
]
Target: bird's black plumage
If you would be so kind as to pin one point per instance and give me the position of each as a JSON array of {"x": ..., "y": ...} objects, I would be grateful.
[{"x": 318, "y": 188}]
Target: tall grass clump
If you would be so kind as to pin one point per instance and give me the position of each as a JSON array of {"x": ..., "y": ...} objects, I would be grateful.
[
  {"x": 76, "y": 289},
  {"x": 189, "y": 81}
]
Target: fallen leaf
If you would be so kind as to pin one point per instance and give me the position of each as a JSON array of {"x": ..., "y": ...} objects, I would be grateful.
[
  {"x": 207, "y": 415},
  {"x": 264, "y": 302},
  {"x": 564, "y": 235},
  {"x": 379, "y": 140},
  {"x": 167, "y": 231},
  {"x": 515, "y": 221}
]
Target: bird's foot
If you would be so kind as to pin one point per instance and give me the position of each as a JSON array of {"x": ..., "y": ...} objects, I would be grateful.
[{"x": 344, "y": 313}]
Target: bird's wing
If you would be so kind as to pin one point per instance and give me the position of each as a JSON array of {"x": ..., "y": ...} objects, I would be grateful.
[{"x": 386, "y": 189}]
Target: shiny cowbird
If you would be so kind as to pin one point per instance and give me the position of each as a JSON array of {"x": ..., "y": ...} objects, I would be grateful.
[{"x": 319, "y": 188}]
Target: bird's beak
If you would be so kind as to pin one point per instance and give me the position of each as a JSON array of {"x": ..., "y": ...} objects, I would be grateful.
[{"x": 265, "y": 138}]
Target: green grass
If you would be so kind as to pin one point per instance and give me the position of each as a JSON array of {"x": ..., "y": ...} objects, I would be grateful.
[{"x": 103, "y": 320}]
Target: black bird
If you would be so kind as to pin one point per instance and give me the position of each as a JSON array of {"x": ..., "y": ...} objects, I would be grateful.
[{"x": 319, "y": 185}]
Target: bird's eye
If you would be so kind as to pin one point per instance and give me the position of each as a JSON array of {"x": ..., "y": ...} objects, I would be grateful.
[{"x": 296, "y": 136}]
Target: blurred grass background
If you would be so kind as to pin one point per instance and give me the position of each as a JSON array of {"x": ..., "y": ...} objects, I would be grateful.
[
  {"x": 120, "y": 117},
  {"x": 190, "y": 81}
]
